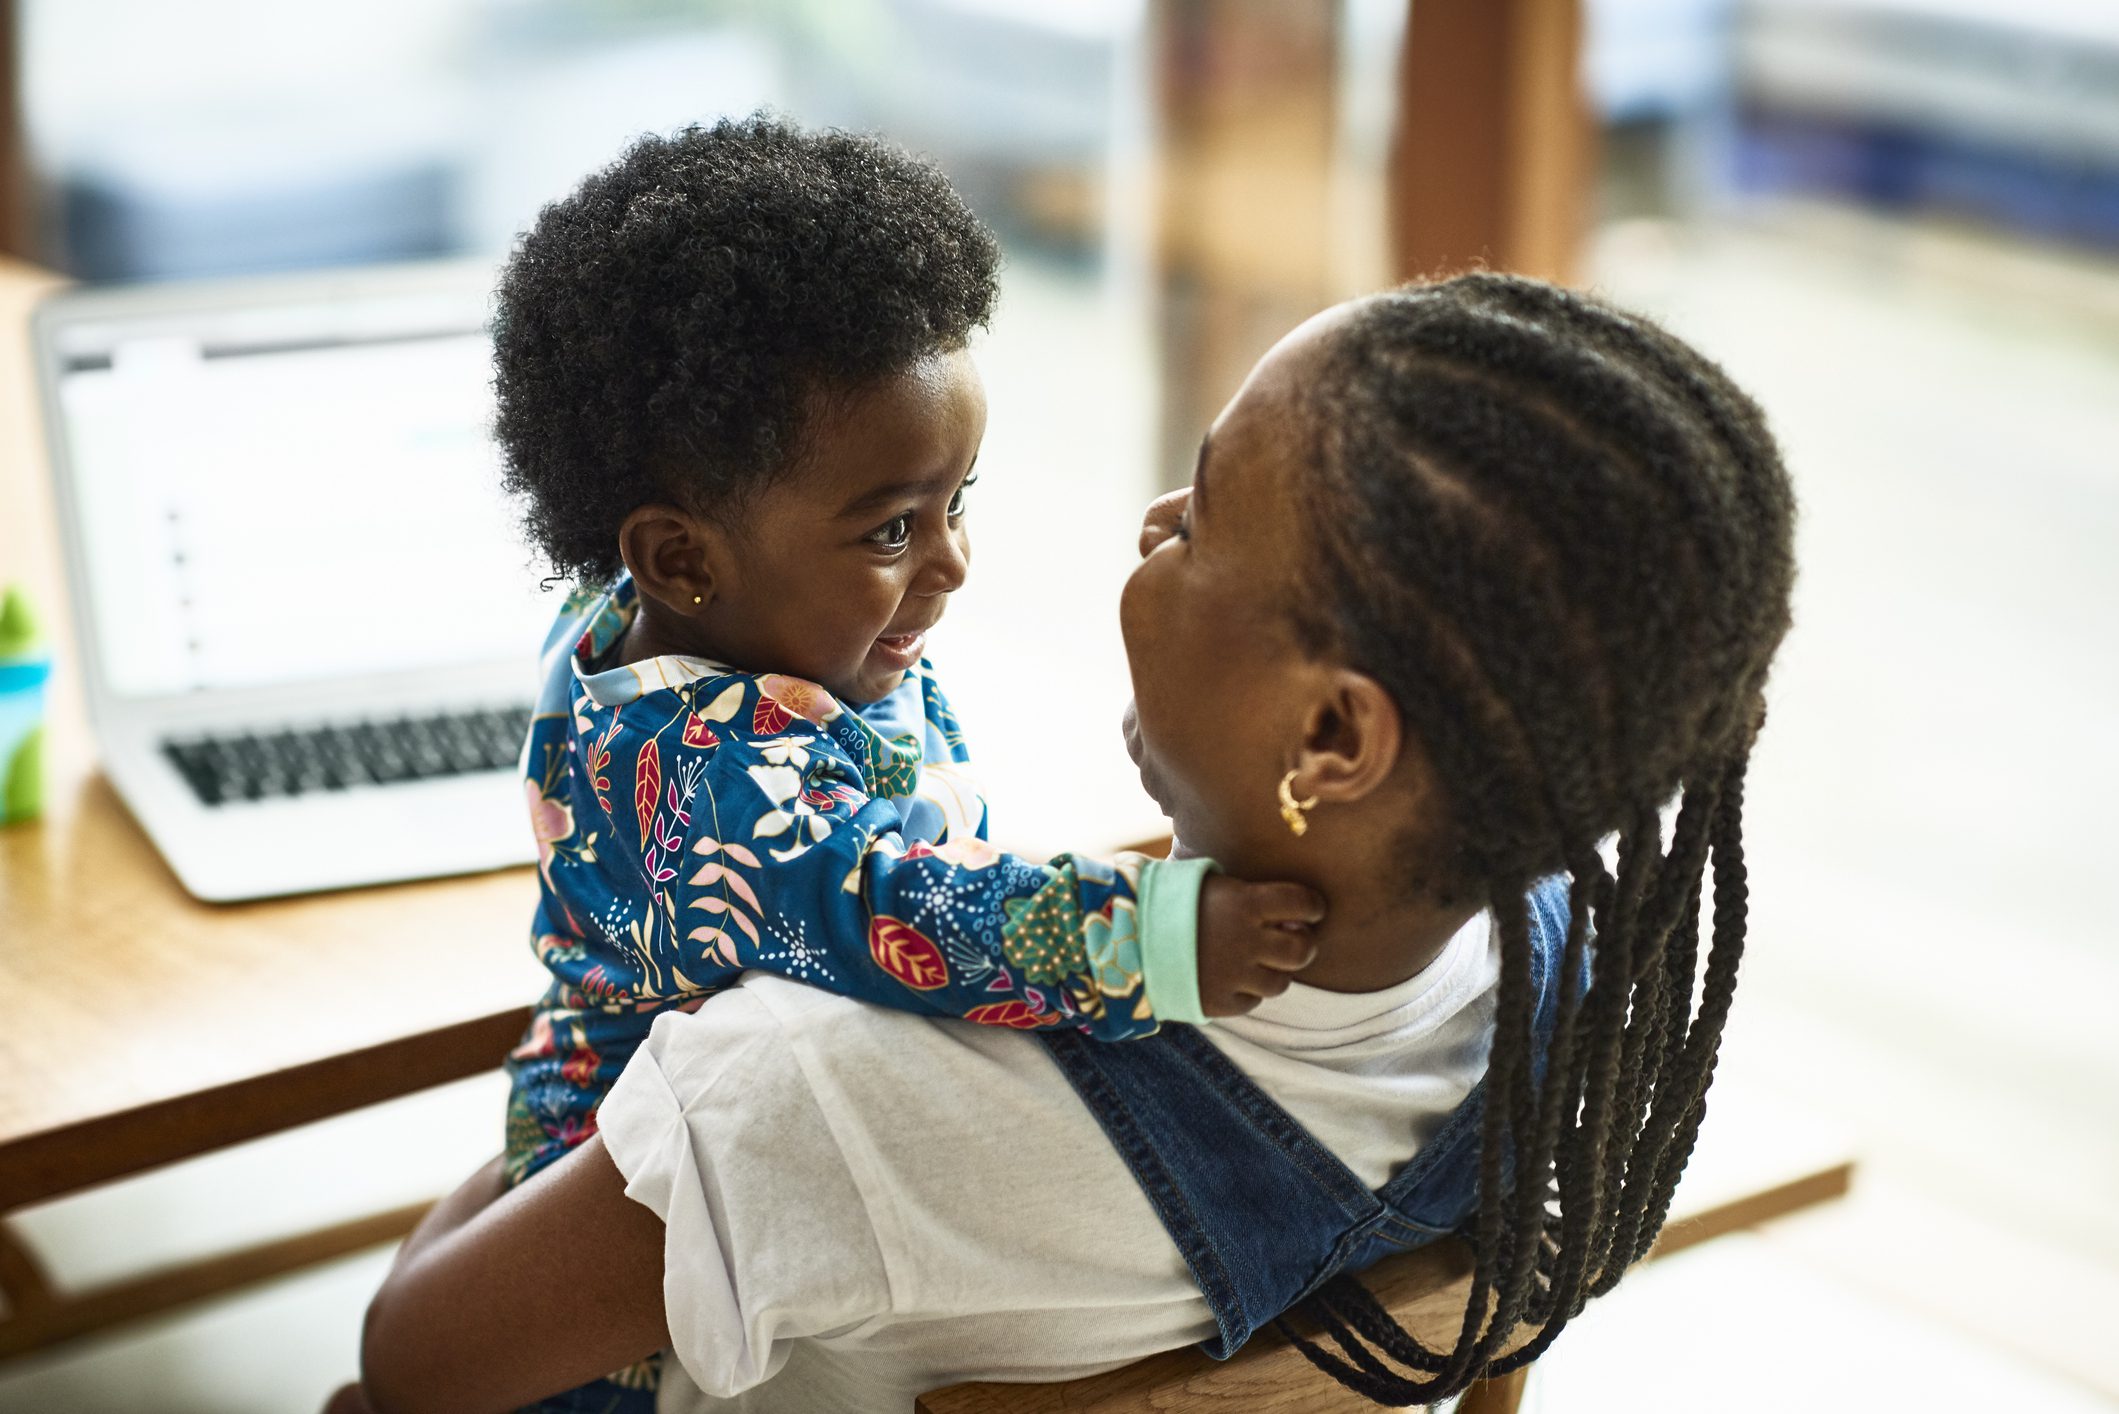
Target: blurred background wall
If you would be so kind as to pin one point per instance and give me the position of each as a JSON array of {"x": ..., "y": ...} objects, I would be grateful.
[{"x": 1897, "y": 221}]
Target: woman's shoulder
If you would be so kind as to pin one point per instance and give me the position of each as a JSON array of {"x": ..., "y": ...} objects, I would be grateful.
[
  {"x": 966, "y": 1146},
  {"x": 925, "y": 1184},
  {"x": 915, "y": 1104},
  {"x": 832, "y": 1043}
]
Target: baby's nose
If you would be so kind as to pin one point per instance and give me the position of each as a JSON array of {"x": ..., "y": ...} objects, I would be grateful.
[{"x": 947, "y": 566}]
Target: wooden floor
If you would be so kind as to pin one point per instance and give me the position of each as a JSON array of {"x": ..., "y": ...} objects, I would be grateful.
[{"x": 1932, "y": 953}]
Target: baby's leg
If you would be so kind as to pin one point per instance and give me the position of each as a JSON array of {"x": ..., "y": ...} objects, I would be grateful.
[{"x": 558, "y": 1075}]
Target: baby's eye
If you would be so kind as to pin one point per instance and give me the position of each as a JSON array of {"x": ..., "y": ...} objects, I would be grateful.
[
  {"x": 956, "y": 502},
  {"x": 895, "y": 535}
]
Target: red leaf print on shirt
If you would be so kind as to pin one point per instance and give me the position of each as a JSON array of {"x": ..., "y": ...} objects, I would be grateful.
[
  {"x": 907, "y": 954},
  {"x": 698, "y": 733},
  {"x": 1015, "y": 1013},
  {"x": 769, "y": 718},
  {"x": 579, "y": 1068},
  {"x": 647, "y": 786}
]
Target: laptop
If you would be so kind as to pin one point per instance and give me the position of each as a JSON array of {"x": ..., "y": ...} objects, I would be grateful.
[{"x": 308, "y": 625}]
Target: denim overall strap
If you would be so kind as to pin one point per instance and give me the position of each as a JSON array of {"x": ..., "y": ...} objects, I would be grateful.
[
  {"x": 1262, "y": 1213},
  {"x": 1251, "y": 1200}
]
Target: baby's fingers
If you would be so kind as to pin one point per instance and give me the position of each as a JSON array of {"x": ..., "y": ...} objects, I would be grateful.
[
  {"x": 1257, "y": 984},
  {"x": 1265, "y": 982},
  {"x": 1285, "y": 948},
  {"x": 1252, "y": 939},
  {"x": 1285, "y": 903}
]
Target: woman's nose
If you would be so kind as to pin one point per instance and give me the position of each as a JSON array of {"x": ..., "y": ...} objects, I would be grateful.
[{"x": 1160, "y": 522}]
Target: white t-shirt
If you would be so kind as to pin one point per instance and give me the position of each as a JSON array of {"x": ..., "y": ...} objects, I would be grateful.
[{"x": 863, "y": 1205}]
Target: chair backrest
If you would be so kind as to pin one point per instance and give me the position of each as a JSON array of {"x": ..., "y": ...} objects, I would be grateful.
[
  {"x": 1781, "y": 1168},
  {"x": 1425, "y": 1289}
]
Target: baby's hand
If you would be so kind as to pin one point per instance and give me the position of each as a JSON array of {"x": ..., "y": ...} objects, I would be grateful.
[{"x": 1253, "y": 939}]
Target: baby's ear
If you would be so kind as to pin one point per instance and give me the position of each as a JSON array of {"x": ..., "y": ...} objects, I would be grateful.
[{"x": 670, "y": 554}]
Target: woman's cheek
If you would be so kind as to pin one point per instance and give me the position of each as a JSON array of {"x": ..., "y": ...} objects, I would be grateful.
[{"x": 1133, "y": 619}]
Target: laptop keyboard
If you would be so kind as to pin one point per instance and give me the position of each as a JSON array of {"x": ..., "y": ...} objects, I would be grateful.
[{"x": 258, "y": 765}]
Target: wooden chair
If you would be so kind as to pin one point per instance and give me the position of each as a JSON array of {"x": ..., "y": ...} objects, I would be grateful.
[{"x": 1425, "y": 1290}]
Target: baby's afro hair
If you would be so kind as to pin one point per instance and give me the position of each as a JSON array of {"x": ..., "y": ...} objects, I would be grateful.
[{"x": 664, "y": 333}]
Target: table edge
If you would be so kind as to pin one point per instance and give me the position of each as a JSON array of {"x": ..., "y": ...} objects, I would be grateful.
[{"x": 49, "y": 1163}]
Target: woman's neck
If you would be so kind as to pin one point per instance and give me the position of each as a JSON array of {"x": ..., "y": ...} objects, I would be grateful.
[{"x": 1370, "y": 941}]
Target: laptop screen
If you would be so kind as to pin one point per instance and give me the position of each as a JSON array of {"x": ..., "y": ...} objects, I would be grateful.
[{"x": 290, "y": 498}]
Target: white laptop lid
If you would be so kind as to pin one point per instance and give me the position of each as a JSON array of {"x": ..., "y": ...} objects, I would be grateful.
[{"x": 285, "y": 483}]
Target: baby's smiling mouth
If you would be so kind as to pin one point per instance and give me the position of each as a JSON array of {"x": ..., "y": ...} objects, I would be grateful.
[
  {"x": 904, "y": 647},
  {"x": 903, "y": 637}
]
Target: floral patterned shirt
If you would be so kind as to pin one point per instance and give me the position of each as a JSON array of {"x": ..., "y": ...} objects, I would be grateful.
[{"x": 694, "y": 821}]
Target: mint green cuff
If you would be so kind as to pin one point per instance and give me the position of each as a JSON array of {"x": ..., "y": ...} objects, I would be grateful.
[{"x": 1168, "y": 923}]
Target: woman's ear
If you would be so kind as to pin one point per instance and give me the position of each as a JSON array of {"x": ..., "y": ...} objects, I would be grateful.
[
  {"x": 1353, "y": 738},
  {"x": 670, "y": 553}
]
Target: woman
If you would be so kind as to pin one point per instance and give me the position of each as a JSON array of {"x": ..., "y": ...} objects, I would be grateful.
[{"x": 1471, "y": 579}]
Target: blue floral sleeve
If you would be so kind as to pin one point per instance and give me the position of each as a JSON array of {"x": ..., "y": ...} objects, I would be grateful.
[{"x": 794, "y": 860}]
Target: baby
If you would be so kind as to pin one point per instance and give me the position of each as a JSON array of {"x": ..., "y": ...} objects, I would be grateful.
[{"x": 735, "y": 395}]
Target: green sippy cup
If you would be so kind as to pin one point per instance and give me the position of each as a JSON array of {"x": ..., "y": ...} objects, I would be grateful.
[{"x": 24, "y": 665}]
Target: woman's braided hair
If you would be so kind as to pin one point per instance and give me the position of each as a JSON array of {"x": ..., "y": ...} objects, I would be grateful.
[{"x": 1563, "y": 541}]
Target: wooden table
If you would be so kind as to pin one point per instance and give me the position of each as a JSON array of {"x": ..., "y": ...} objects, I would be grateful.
[{"x": 145, "y": 1027}]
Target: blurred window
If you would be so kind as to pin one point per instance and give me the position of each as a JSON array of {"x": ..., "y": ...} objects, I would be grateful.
[{"x": 223, "y": 136}]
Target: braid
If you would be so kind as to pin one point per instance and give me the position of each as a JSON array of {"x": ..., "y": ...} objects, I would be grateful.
[
  {"x": 1562, "y": 540},
  {"x": 1638, "y": 858},
  {"x": 1703, "y": 1042},
  {"x": 1566, "y": 1077},
  {"x": 1529, "y": 1161},
  {"x": 1562, "y": 1077},
  {"x": 1656, "y": 998},
  {"x": 1366, "y": 1315},
  {"x": 1512, "y": 1027}
]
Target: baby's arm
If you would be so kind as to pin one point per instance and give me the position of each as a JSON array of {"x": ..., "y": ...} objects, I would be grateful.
[{"x": 792, "y": 867}]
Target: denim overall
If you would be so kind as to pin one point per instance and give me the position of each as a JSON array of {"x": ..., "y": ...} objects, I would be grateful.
[{"x": 1262, "y": 1213}]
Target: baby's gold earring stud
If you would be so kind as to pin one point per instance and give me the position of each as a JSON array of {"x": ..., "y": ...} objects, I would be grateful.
[
  {"x": 698, "y": 599},
  {"x": 1291, "y": 809}
]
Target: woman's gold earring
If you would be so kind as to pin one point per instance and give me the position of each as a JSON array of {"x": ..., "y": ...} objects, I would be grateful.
[
  {"x": 1291, "y": 809},
  {"x": 698, "y": 599}
]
